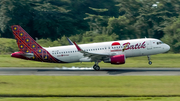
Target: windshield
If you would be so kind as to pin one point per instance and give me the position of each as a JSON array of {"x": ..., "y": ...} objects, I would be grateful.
[{"x": 159, "y": 42}]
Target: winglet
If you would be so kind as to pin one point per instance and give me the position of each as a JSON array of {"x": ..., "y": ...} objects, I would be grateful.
[
  {"x": 70, "y": 42},
  {"x": 78, "y": 48}
]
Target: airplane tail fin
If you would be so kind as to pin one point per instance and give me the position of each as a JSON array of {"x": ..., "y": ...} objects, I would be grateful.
[
  {"x": 29, "y": 48},
  {"x": 24, "y": 41}
]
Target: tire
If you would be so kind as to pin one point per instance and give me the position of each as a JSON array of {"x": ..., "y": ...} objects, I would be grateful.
[
  {"x": 150, "y": 63},
  {"x": 96, "y": 67}
]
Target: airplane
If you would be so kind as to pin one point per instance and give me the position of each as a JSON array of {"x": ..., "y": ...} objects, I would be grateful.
[{"x": 114, "y": 52}]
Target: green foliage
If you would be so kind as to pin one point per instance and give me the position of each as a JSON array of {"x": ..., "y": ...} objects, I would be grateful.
[
  {"x": 172, "y": 35},
  {"x": 52, "y": 21},
  {"x": 120, "y": 26},
  {"x": 14, "y": 12},
  {"x": 94, "y": 37},
  {"x": 42, "y": 19},
  {"x": 55, "y": 19},
  {"x": 63, "y": 41},
  {"x": 48, "y": 43},
  {"x": 98, "y": 10},
  {"x": 88, "y": 37},
  {"x": 8, "y": 46},
  {"x": 96, "y": 21},
  {"x": 149, "y": 17}
]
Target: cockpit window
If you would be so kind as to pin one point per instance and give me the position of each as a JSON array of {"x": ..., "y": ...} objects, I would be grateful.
[{"x": 159, "y": 42}]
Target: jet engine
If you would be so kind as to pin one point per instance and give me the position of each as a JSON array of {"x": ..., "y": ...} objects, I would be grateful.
[{"x": 117, "y": 59}]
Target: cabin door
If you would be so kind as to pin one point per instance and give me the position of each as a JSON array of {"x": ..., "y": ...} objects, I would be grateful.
[{"x": 149, "y": 46}]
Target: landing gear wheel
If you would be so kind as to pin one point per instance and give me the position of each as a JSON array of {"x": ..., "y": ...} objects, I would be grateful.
[
  {"x": 150, "y": 62},
  {"x": 96, "y": 67}
]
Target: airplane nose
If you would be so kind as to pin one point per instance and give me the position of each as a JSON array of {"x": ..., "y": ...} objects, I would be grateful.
[{"x": 167, "y": 47}]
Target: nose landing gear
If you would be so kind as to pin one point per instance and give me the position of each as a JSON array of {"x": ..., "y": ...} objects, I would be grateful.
[{"x": 150, "y": 63}]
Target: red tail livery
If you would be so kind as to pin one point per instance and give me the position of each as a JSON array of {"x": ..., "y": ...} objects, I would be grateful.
[{"x": 29, "y": 48}]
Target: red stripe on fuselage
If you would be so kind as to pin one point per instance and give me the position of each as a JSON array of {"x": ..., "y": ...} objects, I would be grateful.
[{"x": 115, "y": 50}]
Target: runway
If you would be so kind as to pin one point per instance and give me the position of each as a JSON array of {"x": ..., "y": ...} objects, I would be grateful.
[{"x": 90, "y": 72}]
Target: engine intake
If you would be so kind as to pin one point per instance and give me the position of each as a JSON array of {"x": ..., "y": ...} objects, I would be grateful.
[{"x": 117, "y": 59}]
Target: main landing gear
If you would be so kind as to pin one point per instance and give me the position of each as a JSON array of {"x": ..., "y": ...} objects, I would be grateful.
[
  {"x": 96, "y": 66},
  {"x": 150, "y": 63}
]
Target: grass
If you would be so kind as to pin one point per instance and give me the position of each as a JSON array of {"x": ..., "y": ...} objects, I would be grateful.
[
  {"x": 99, "y": 86},
  {"x": 94, "y": 99},
  {"x": 160, "y": 60},
  {"x": 8, "y": 45}
]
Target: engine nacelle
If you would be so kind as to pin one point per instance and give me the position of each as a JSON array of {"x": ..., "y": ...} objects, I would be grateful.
[{"x": 117, "y": 59}]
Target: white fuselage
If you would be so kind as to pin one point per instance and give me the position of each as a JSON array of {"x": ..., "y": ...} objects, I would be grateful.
[{"x": 135, "y": 47}]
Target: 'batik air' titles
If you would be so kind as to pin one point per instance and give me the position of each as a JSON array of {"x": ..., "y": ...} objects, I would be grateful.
[{"x": 136, "y": 46}]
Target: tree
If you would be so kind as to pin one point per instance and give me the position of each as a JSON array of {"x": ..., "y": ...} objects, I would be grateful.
[
  {"x": 14, "y": 12},
  {"x": 152, "y": 19},
  {"x": 172, "y": 35},
  {"x": 149, "y": 17},
  {"x": 97, "y": 22},
  {"x": 52, "y": 20},
  {"x": 42, "y": 19},
  {"x": 120, "y": 26}
]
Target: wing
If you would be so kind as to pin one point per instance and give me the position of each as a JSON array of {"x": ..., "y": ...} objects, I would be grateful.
[
  {"x": 95, "y": 56},
  {"x": 92, "y": 56}
]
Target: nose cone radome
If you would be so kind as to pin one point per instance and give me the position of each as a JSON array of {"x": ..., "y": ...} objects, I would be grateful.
[{"x": 167, "y": 47}]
